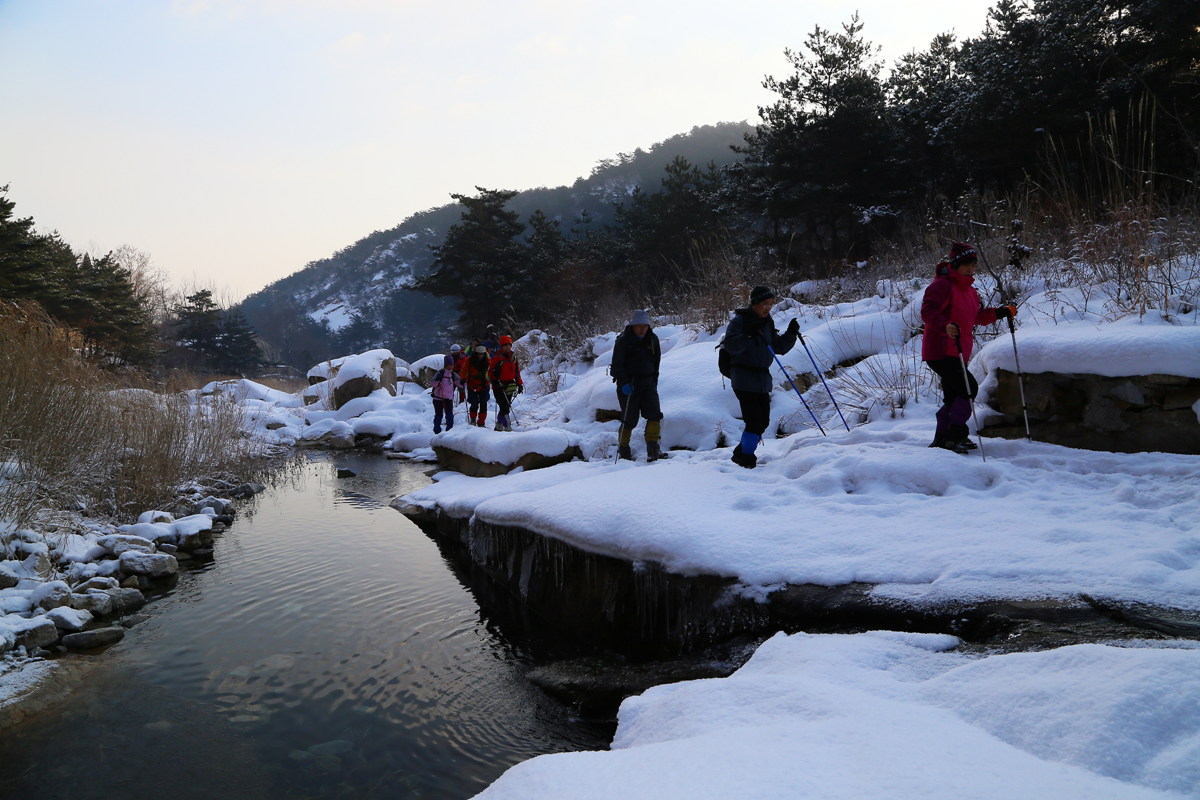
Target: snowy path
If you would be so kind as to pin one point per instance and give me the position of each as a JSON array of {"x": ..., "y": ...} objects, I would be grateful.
[{"x": 877, "y": 506}]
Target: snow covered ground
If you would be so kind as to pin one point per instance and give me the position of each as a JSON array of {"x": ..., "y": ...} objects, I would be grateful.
[
  {"x": 879, "y": 714},
  {"x": 896, "y": 715}
]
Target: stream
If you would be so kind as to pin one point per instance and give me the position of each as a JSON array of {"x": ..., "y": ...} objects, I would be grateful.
[{"x": 328, "y": 650}]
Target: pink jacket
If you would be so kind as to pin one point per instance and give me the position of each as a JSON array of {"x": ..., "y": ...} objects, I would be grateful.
[{"x": 951, "y": 298}]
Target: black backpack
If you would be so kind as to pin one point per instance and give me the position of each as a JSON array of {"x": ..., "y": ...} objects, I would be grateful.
[{"x": 724, "y": 360}]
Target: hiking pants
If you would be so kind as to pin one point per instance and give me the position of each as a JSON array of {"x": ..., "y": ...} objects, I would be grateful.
[
  {"x": 443, "y": 407},
  {"x": 956, "y": 399},
  {"x": 477, "y": 400},
  {"x": 756, "y": 410}
]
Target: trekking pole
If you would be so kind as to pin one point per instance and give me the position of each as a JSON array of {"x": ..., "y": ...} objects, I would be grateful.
[
  {"x": 512, "y": 406},
  {"x": 1012, "y": 330},
  {"x": 967, "y": 386},
  {"x": 797, "y": 391},
  {"x": 821, "y": 375}
]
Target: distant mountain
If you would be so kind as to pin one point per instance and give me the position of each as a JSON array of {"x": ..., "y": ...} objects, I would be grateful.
[{"x": 358, "y": 297}]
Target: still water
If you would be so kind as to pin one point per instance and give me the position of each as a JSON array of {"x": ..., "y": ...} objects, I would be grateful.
[{"x": 327, "y": 651}]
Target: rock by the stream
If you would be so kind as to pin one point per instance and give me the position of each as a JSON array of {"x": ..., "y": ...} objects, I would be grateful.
[
  {"x": 151, "y": 565},
  {"x": 97, "y": 637},
  {"x": 69, "y": 619},
  {"x": 126, "y": 600},
  {"x": 485, "y": 454},
  {"x": 36, "y": 632},
  {"x": 597, "y": 687},
  {"x": 50, "y": 594},
  {"x": 1123, "y": 414}
]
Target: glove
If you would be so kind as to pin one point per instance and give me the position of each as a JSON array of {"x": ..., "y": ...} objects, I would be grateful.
[
  {"x": 793, "y": 326},
  {"x": 1004, "y": 312},
  {"x": 520, "y": 388},
  {"x": 627, "y": 389}
]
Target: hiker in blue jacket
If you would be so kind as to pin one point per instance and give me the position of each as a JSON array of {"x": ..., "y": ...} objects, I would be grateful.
[
  {"x": 635, "y": 362},
  {"x": 749, "y": 340}
]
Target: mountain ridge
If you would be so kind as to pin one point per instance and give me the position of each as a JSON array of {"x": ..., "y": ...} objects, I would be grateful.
[{"x": 365, "y": 283}]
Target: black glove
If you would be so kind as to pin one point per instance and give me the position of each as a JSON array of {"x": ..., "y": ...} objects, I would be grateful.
[
  {"x": 793, "y": 326},
  {"x": 1004, "y": 312},
  {"x": 520, "y": 388}
]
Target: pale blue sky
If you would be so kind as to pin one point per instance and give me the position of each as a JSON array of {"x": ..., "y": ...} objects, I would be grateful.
[{"x": 236, "y": 140}]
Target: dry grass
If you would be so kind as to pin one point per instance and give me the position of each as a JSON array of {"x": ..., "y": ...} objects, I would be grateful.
[{"x": 75, "y": 437}]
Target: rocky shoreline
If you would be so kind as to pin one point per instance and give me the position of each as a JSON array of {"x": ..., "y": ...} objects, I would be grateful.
[{"x": 79, "y": 591}]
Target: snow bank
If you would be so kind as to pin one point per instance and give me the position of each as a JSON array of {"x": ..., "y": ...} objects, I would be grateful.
[
  {"x": 877, "y": 506},
  {"x": 1118, "y": 349},
  {"x": 899, "y": 715}
]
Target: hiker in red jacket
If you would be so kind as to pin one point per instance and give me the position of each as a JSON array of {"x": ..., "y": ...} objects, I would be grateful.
[
  {"x": 505, "y": 373},
  {"x": 474, "y": 372},
  {"x": 950, "y": 310}
]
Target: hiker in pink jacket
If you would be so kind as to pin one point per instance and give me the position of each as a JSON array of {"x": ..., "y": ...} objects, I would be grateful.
[
  {"x": 446, "y": 382},
  {"x": 950, "y": 310}
]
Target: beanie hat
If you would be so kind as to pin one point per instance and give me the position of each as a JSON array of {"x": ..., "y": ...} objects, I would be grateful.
[
  {"x": 961, "y": 253},
  {"x": 506, "y": 339},
  {"x": 639, "y": 317},
  {"x": 455, "y": 348},
  {"x": 481, "y": 350},
  {"x": 448, "y": 361},
  {"x": 760, "y": 293}
]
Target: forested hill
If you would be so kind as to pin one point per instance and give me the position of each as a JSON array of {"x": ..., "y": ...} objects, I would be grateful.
[{"x": 359, "y": 297}]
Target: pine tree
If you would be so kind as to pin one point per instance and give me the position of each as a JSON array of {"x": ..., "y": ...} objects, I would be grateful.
[
  {"x": 239, "y": 349},
  {"x": 197, "y": 330},
  {"x": 826, "y": 151},
  {"x": 479, "y": 262}
]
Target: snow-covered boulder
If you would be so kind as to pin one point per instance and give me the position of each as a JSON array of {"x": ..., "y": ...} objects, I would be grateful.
[
  {"x": 423, "y": 369},
  {"x": 357, "y": 375},
  {"x": 328, "y": 433},
  {"x": 96, "y": 601},
  {"x": 482, "y": 453},
  {"x": 1129, "y": 386},
  {"x": 118, "y": 544},
  {"x": 244, "y": 390},
  {"x": 69, "y": 619},
  {"x": 28, "y": 632},
  {"x": 50, "y": 595}
]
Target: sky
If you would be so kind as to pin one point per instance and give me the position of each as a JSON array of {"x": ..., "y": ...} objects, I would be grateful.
[{"x": 234, "y": 141}]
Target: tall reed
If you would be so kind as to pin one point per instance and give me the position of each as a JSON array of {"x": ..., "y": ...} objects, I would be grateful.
[{"x": 72, "y": 437}]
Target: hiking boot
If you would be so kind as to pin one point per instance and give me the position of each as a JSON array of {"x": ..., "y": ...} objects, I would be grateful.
[
  {"x": 654, "y": 452},
  {"x": 624, "y": 452},
  {"x": 498, "y": 427},
  {"x": 951, "y": 445},
  {"x": 967, "y": 444},
  {"x": 747, "y": 460}
]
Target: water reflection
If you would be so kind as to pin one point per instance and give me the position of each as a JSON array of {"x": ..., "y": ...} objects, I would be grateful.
[{"x": 326, "y": 651}]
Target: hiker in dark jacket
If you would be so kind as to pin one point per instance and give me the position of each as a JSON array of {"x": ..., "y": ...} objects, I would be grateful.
[
  {"x": 950, "y": 309},
  {"x": 636, "y": 356},
  {"x": 750, "y": 339}
]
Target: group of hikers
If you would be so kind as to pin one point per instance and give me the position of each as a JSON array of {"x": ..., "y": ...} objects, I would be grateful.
[
  {"x": 950, "y": 310},
  {"x": 488, "y": 368}
]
